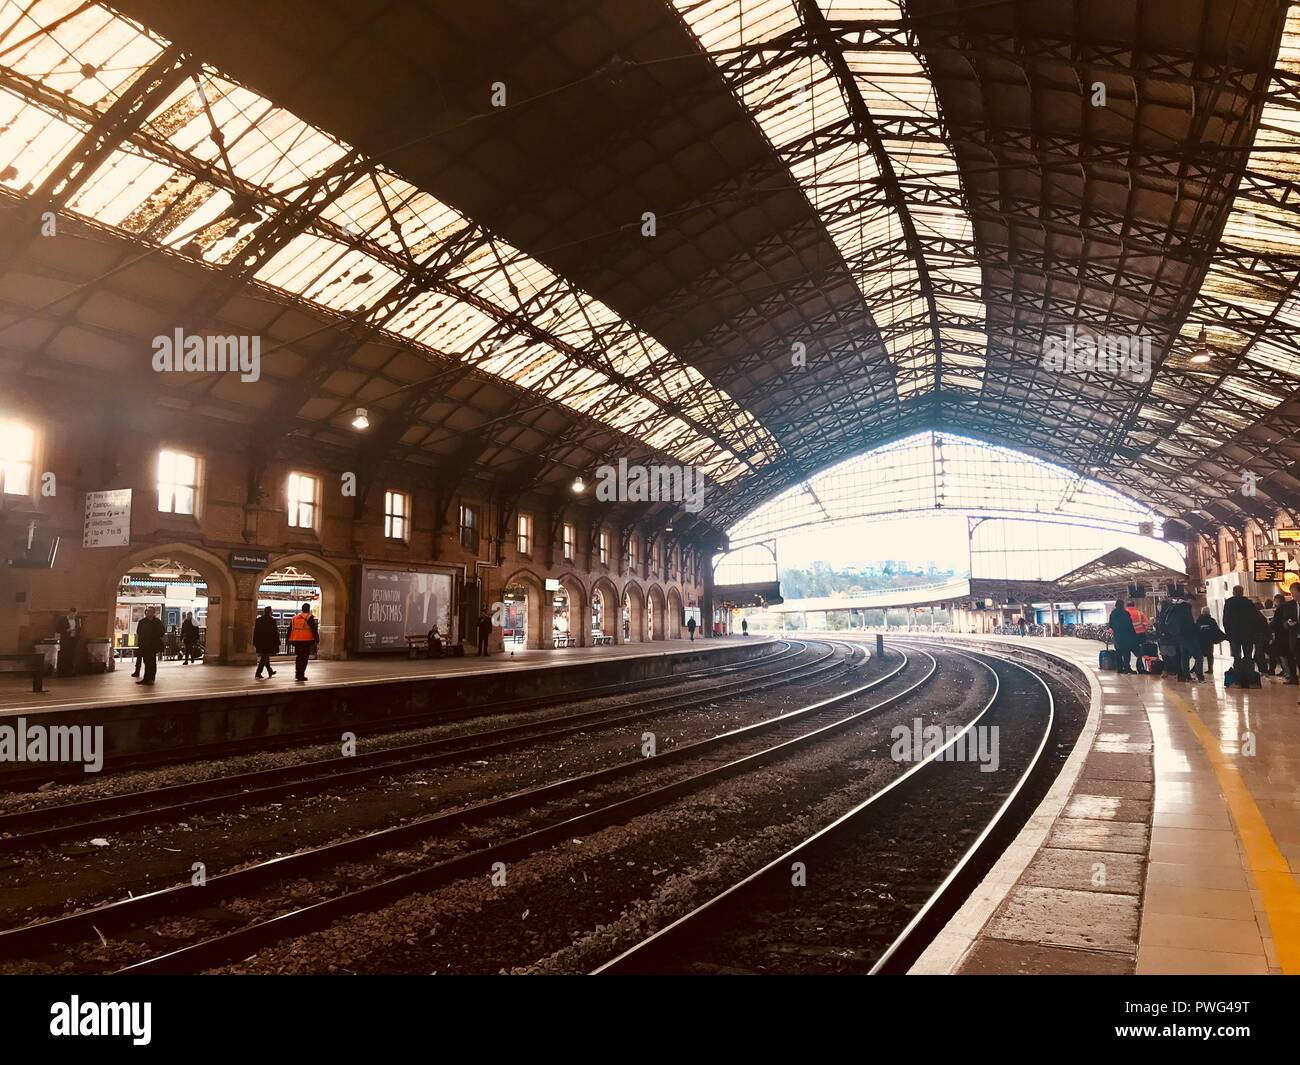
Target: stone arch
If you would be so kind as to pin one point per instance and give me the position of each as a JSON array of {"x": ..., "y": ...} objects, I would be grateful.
[
  {"x": 335, "y": 597},
  {"x": 634, "y": 597},
  {"x": 221, "y": 645},
  {"x": 657, "y": 608},
  {"x": 537, "y": 623},
  {"x": 579, "y": 610},
  {"x": 611, "y": 604},
  {"x": 675, "y": 614}
]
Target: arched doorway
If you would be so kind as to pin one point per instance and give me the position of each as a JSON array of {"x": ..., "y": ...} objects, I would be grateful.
[
  {"x": 656, "y": 609},
  {"x": 674, "y": 624},
  {"x": 291, "y": 580},
  {"x": 178, "y": 579},
  {"x": 605, "y": 618},
  {"x": 573, "y": 623},
  {"x": 521, "y": 614},
  {"x": 633, "y": 613}
]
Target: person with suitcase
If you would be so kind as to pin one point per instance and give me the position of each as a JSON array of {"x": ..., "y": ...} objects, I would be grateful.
[
  {"x": 1126, "y": 641},
  {"x": 1243, "y": 623}
]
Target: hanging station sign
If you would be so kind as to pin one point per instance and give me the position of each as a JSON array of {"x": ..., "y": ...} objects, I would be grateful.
[
  {"x": 1270, "y": 570},
  {"x": 249, "y": 561}
]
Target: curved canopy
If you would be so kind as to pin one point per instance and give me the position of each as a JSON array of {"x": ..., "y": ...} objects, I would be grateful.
[
  {"x": 934, "y": 471},
  {"x": 757, "y": 236}
]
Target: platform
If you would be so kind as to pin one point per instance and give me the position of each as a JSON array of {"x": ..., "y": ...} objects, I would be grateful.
[
  {"x": 208, "y": 704},
  {"x": 1165, "y": 846}
]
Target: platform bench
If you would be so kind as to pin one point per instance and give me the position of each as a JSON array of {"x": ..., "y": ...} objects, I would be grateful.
[
  {"x": 602, "y": 640},
  {"x": 33, "y": 663}
]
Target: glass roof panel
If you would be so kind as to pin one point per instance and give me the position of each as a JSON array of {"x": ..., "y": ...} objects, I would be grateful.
[{"x": 176, "y": 173}]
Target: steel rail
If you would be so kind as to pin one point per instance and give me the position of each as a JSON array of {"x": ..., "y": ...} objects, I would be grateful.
[
  {"x": 264, "y": 785},
  {"x": 186, "y": 895},
  {"x": 240, "y": 943},
  {"x": 664, "y": 941},
  {"x": 306, "y": 737}
]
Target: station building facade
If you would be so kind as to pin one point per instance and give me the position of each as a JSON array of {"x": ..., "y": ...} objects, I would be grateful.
[{"x": 208, "y": 504}]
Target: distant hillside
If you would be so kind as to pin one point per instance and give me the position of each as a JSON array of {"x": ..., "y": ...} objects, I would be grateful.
[{"x": 822, "y": 580}]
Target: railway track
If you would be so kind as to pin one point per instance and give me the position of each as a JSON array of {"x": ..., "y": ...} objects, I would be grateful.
[
  {"x": 823, "y": 906},
  {"x": 551, "y": 812},
  {"x": 20, "y": 779},
  {"x": 50, "y": 825}
]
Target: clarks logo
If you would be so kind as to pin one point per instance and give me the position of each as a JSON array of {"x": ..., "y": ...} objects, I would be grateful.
[{"x": 179, "y": 353}]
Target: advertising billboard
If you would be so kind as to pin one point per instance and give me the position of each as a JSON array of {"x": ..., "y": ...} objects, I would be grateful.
[{"x": 395, "y": 603}]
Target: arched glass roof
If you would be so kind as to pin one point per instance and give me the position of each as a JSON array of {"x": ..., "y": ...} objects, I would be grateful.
[{"x": 940, "y": 471}]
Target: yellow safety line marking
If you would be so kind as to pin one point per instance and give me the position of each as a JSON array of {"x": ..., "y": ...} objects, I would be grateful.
[{"x": 1265, "y": 862}]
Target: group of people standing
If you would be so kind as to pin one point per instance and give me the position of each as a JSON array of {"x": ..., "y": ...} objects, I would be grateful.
[
  {"x": 1184, "y": 643},
  {"x": 304, "y": 635}
]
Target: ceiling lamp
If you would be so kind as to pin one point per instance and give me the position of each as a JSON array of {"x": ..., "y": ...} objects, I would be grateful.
[
  {"x": 578, "y": 485},
  {"x": 361, "y": 420},
  {"x": 1201, "y": 355}
]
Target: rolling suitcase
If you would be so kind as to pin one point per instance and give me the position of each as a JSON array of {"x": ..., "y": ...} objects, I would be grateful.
[{"x": 1107, "y": 660}]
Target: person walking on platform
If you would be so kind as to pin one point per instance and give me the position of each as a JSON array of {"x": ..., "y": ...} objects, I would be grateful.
[
  {"x": 304, "y": 634},
  {"x": 484, "y": 631},
  {"x": 1242, "y": 622},
  {"x": 189, "y": 640},
  {"x": 744, "y": 626},
  {"x": 1208, "y": 634},
  {"x": 266, "y": 641},
  {"x": 1126, "y": 641},
  {"x": 690, "y": 627},
  {"x": 150, "y": 637},
  {"x": 68, "y": 628}
]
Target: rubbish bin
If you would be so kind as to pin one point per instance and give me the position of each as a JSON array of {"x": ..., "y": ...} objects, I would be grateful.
[
  {"x": 99, "y": 655},
  {"x": 50, "y": 649}
]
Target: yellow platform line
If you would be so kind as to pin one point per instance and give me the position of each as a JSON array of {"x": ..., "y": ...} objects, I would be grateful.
[{"x": 1265, "y": 862}]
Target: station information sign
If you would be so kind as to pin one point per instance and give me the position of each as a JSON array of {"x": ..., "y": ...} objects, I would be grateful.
[{"x": 1270, "y": 570}]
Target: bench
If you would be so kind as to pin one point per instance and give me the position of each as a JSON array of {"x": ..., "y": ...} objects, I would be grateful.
[
  {"x": 415, "y": 645},
  {"x": 600, "y": 640},
  {"x": 564, "y": 641},
  {"x": 33, "y": 663}
]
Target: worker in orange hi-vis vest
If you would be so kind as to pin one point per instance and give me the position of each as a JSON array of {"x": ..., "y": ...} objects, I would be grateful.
[
  {"x": 1139, "y": 618},
  {"x": 304, "y": 634}
]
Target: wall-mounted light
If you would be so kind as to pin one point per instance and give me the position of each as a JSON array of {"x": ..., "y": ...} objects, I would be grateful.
[
  {"x": 1201, "y": 354},
  {"x": 578, "y": 485}
]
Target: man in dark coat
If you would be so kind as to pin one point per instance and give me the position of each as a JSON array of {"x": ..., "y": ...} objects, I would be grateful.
[
  {"x": 484, "y": 631},
  {"x": 1243, "y": 622},
  {"x": 68, "y": 628},
  {"x": 690, "y": 627},
  {"x": 1182, "y": 628},
  {"x": 266, "y": 641},
  {"x": 189, "y": 639},
  {"x": 150, "y": 637},
  {"x": 1126, "y": 641},
  {"x": 1283, "y": 652}
]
